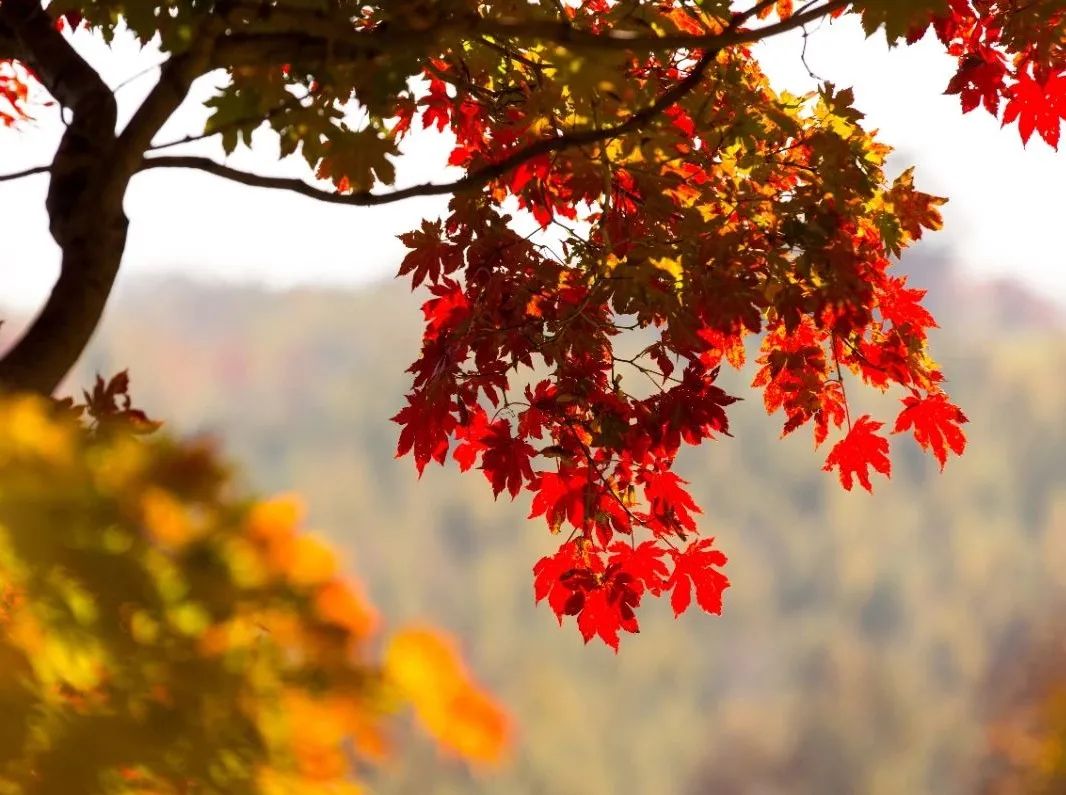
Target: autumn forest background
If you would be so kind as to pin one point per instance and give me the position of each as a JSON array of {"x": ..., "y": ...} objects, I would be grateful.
[{"x": 881, "y": 644}]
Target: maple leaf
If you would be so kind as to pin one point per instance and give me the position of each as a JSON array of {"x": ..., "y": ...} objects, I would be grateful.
[
  {"x": 696, "y": 567},
  {"x": 643, "y": 564},
  {"x": 832, "y": 411},
  {"x": 861, "y": 449},
  {"x": 549, "y": 574},
  {"x": 505, "y": 459},
  {"x": 110, "y": 407},
  {"x": 901, "y": 305},
  {"x": 357, "y": 160},
  {"x": 979, "y": 80},
  {"x": 670, "y": 502},
  {"x": 427, "y": 423},
  {"x": 1038, "y": 106},
  {"x": 431, "y": 256},
  {"x": 471, "y": 441},
  {"x": 437, "y": 104},
  {"x": 935, "y": 422},
  {"x": 900, "y": 18},
  {"x": 914, "y": 209},
  {"x": 561, "y": 495},
  {"x": 606, "y": 610},
  {"x": 448, "y": 309}
]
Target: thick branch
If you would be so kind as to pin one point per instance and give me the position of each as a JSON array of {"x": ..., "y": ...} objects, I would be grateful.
[
  {"x": 90, "y": 173},
  {"x": 337, "y": 44},
  {"x": 472, "y": 179},
  {"x": 84, "y": 204},
  {"x": 8, "y": 44},
  {"x": 564, "y": 33},
  {"x": 92, "y": 166}
]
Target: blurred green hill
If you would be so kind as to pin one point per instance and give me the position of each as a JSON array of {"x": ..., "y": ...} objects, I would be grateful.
[{"x": 863, "y": 636}]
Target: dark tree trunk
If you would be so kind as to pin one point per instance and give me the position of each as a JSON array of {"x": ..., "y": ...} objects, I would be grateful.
[
  {"x": 90, "y": 173},
  {"x": 84, "y": 204}
]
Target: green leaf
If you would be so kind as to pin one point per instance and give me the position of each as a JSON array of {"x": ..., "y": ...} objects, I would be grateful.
[{"x": 900, "y": 18}]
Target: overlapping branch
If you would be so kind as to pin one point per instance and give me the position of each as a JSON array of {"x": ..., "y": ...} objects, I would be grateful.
[
  {"x": 310, "y": 43},
  {"x": 478, "y": 177},
  {"x": 94, "y": 162}
]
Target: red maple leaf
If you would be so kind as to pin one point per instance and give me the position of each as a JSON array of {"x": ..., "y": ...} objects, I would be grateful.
[
  {"x": 979, "y": 80},
  {"x": 447, "y": 310},
  {"x": 427, "y": 422},
  {"x": 861, "y": 449},
  {"x": 1037, "y": 106},
  {"x": 936, "y": 424},
  {"x": 832, "y": 411},
  {"x": 550, "y": 575},
  {"x": 697, "y": 567},
  {"x": 561, "y": 495},
  {"x": 437, "y": 104},
  {"x": 608, "y": 609},
  {"x": 506, "y": 461},
  {"x": 643, "y": 564},
  {"x": 670, "y": 503},
  {"x": 901, "y": 305},
  {"x": 431, "y": 256}
]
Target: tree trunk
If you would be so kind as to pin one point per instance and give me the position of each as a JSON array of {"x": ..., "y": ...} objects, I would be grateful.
[{"x": 90, "y": 173}]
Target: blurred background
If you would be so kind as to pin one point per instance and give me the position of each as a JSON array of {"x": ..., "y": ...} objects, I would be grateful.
[
  {"x": 908, "y": 641},
  {"x": 911, "y": 641}
]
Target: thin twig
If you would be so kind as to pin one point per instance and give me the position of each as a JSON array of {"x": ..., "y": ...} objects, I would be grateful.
[{"x": 29, "y": 172}]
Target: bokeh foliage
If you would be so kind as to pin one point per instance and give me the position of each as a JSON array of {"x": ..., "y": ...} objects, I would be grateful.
[
  {"x": 863, "y": 652},
  {"x": 161, "y": 632}
]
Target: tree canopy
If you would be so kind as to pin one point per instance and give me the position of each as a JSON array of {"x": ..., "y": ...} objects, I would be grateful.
[{"x": 683, "y": 204}]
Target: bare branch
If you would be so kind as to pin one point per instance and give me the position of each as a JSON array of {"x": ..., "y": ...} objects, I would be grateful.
[
  {"x": 294, "y": 101},
  {"x": 28, "y": 172}
]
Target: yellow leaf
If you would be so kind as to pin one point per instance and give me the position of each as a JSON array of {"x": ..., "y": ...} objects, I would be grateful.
[{"x": 671, "y": 266}]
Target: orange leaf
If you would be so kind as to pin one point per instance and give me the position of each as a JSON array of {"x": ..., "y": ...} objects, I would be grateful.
[
  {"x": 857, "y": 452},
  {"x": 936, "y": 425}
]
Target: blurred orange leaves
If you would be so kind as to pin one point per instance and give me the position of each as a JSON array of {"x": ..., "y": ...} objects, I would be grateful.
[
  {"x": 429, "y": 672},
  {"x": 161, "y": 633}
]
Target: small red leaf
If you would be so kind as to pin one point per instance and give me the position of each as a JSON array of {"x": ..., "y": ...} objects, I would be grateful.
[
  {"x": 857, "y": 452},
  {"x": 936, "y": 423},
  {"x": 696, "y": 567}
]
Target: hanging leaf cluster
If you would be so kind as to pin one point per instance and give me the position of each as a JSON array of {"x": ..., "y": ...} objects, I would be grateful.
[{"x": 686, "y": 217}]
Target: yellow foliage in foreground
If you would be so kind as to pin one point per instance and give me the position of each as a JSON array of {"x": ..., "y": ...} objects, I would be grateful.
[{"x": 161, "y": 634}]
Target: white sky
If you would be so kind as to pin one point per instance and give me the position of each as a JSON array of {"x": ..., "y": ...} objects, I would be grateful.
[{"x": 1005, "y": 215}]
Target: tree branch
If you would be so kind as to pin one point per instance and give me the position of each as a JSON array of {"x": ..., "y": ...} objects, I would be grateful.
[
  {"x": 84, "y": 203},
  {"x": 26, "y": 172},
  {"x": 339, "y": 44},
  {"x": 472, "y": 179},
  {"x": 93, "y": 165},
  {"x": 175, "y": 78},
  {"x": 90, "y": 172}
]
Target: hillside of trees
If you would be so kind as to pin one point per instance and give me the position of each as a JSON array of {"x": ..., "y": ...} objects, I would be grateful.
[{"x": 863, "y": 643}]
